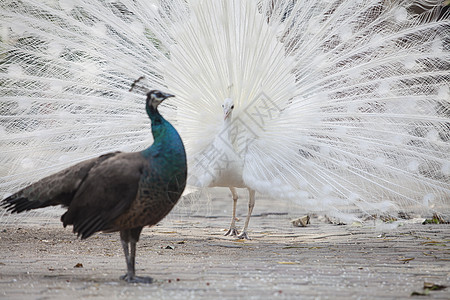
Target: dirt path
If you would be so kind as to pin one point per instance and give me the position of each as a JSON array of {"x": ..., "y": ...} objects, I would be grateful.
[{"x": 189, "y": 258}]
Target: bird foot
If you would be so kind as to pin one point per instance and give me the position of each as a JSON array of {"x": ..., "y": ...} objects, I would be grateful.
[
  {"x": 136, "y": 279},
  {"x": 232, "y": 232},
  {"x": 243, "y": 236}
]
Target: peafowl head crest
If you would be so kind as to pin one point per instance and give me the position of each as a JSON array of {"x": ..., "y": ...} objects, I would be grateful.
[
  {"x": 228, "y": 107},
  {"x": 155, "y": 97}
]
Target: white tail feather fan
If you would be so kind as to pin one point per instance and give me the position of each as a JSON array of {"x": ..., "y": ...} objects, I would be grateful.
[{"x": 337, "y": 103}]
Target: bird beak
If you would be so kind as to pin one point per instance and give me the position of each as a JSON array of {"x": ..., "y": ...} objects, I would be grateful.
[
  {"x": 227, "y": 114},
  {"x": 168, "y": 95}
]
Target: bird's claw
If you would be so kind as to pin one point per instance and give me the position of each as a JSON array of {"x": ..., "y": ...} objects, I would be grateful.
[
  {"x": 232, "y": 232},
  {"x": 243, "y": 236},
  {"x": 136, "y": 279}
]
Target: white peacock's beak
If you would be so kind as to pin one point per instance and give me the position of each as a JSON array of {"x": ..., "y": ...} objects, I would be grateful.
[{"x": 227, "y": 114}]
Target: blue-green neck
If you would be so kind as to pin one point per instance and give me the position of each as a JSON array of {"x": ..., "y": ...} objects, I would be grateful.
[{"x": 167, "y": 146}]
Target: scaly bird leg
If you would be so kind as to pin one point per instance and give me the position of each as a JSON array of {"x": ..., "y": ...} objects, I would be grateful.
[
  {"x": 233, "y": 231},
  {"x": 131, "y": 237},
  {"x": 251, "y": 204}
]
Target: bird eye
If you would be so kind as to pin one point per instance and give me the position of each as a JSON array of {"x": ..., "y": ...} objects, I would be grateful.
[
  {"x": 222, "y": 105},
  {"x": 232, "y": 106}
]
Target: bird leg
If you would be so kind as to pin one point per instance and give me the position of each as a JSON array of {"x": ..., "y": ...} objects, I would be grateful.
[
  {"x": 233, "y": 231},
  {"x": 251, "y": 204},
  {"x": 129, "y": 238}
]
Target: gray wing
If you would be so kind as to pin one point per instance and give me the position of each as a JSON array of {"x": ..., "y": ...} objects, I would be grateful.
[
  {"x": 108, "y": 191},
  {"x": 56, "y": 189}
]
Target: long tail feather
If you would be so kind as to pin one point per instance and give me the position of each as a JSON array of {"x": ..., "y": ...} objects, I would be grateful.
[{"x": 337, "y": 102}]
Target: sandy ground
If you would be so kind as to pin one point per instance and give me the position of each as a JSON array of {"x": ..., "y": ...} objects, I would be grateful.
[{"x": 189, "y": 258}]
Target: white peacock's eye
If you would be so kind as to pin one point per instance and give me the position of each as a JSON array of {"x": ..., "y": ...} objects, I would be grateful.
[{"x": 232, "y": 106}]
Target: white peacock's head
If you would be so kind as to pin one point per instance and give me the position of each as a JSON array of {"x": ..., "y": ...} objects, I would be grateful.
[{"x": 228, "y": 107}]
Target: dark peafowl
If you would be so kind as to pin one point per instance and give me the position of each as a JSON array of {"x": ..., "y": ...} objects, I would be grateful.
[{"x": 116, "y": 191}]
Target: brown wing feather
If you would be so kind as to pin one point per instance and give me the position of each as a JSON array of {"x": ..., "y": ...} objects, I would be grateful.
[
  {"x": 56, "y": 189},
  {"x": 108, "y": 191}
]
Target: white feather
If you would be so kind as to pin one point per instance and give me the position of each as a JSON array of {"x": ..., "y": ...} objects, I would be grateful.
[{"x": 337, "y": 103}]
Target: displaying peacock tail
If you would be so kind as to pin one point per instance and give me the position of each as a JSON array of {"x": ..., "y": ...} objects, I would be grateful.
[{"x": 337, "y": 104}]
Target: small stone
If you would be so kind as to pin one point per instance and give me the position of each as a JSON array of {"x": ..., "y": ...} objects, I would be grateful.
[{"x": 301, "y": 222}]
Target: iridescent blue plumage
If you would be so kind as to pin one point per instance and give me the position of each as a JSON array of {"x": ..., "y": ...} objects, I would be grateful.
[{"x": 117, "y": 191}]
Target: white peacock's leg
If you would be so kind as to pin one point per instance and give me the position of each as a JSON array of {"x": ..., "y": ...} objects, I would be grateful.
[
  {"x": 251, "y": 204},
  {"x": 233, "y": 231}
]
